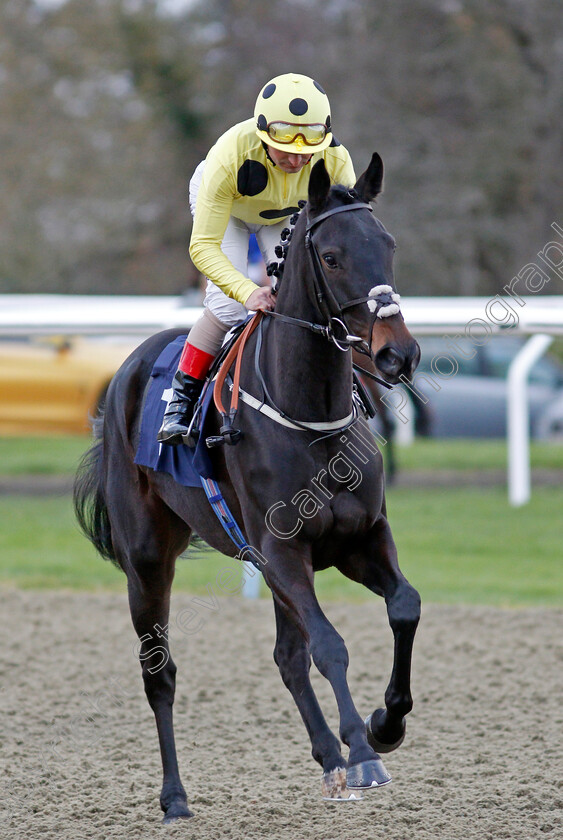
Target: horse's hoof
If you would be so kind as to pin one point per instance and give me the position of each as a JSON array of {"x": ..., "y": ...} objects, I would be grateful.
[
  {"x": 376, "y": 721},
  {"x": 367, "y": 774},
  {"x": 176, "y": 812},
  {"x": 335, "y": 789}
]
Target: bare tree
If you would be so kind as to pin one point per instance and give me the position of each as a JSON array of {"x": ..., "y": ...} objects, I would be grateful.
[{"x": 107, "y": 107}]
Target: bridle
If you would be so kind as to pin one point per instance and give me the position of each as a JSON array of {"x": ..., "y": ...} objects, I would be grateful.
[{"x": 381, "y": 299}]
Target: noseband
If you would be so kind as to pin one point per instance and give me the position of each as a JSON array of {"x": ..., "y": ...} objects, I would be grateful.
[{"x": 381, "y": 300}]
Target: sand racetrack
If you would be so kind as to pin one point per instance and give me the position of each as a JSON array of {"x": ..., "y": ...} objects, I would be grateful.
[{"x": 483, "y": 756}]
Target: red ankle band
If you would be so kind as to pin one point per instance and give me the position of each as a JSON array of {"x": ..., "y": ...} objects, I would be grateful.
[{"x": 195, "y": 362}]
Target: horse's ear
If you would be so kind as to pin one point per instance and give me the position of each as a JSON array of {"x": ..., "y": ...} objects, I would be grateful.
[
  {"x": 369, "y": 184},
  {"x": 319, "y": 186}
]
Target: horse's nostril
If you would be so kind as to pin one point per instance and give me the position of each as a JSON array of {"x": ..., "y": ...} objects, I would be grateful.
[{"x": 389, "y": 361}]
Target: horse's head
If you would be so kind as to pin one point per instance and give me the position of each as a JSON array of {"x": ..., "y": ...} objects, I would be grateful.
[{"x": 353, "y": 256}]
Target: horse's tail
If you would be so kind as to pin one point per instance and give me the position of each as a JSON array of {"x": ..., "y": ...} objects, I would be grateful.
[{"x": 89, "y": 499}]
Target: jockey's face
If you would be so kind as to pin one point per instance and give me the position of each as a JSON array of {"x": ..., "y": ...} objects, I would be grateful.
[{"x": 287, "y": 161}]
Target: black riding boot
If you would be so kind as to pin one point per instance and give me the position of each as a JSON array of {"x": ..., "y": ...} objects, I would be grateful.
[{"x": 180, "y": 409}]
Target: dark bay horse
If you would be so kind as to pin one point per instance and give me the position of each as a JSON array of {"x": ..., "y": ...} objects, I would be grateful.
[{"x": 305, "y": 483}]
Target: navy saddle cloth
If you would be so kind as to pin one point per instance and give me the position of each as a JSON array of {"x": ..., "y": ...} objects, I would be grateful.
[{"x": 187, "y": 466}]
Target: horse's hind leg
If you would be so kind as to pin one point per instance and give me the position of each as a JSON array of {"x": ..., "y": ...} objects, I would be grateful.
[{"x": 147, "y": 550}]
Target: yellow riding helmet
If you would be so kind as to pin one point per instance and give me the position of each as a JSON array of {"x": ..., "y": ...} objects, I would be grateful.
[{"x": 292, "y": 114}]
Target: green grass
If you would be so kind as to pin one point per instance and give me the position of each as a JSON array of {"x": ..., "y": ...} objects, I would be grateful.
[
  {"x": 466, "y": 545},
  {"x": 48, "y": 456},
  {"x": 452, "y": 454},
  {"x": 456, "y": 545},
  {"x": 41, "y": 456},
  {"x": 41, "y": 546}
]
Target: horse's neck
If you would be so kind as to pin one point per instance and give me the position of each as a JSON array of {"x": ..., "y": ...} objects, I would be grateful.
[
  {"x": 311, "y": 378},
  {"x": 307, "y": 377}
]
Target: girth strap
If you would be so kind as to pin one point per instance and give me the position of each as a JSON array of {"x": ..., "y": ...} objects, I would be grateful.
[{"x": 227, "y": 520}]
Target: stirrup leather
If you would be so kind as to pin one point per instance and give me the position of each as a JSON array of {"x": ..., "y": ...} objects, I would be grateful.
[{"x": 227, "y": 433}]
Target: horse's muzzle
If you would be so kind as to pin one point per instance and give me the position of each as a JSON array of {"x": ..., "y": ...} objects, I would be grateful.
[{"x": 395, "y": 361}]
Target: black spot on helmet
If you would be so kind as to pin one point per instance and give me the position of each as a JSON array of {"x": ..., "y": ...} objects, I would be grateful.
[{"x": 298, "y": 107}]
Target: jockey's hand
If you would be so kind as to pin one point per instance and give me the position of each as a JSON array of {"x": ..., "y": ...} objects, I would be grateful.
[{"x": 261, "y": 298}]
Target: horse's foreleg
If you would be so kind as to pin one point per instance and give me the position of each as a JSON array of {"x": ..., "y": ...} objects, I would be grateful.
[
  {"x": 380, "y": 572},
  {"x": 294, "y": 661},
  {"x": 291, "y": 581},
  {"x": 386, "y": 727}
]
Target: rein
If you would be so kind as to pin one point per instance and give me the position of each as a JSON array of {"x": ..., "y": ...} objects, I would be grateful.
[{"x": 231, "y": 436}]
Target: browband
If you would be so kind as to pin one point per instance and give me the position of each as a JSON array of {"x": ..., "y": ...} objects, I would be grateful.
[{"x": 359, "y": 206}]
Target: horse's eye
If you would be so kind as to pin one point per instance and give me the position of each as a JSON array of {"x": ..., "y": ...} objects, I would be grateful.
[{"x": 330, "y": 260}]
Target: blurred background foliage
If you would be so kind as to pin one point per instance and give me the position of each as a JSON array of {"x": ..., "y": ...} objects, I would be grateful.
[{"x": 107, "y": 106}]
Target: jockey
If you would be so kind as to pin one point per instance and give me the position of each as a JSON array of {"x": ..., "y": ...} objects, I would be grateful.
[{"x": 250, "y": 182}]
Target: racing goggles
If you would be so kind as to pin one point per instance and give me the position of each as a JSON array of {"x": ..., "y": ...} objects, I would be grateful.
[{"x": 283, "y": 132}]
